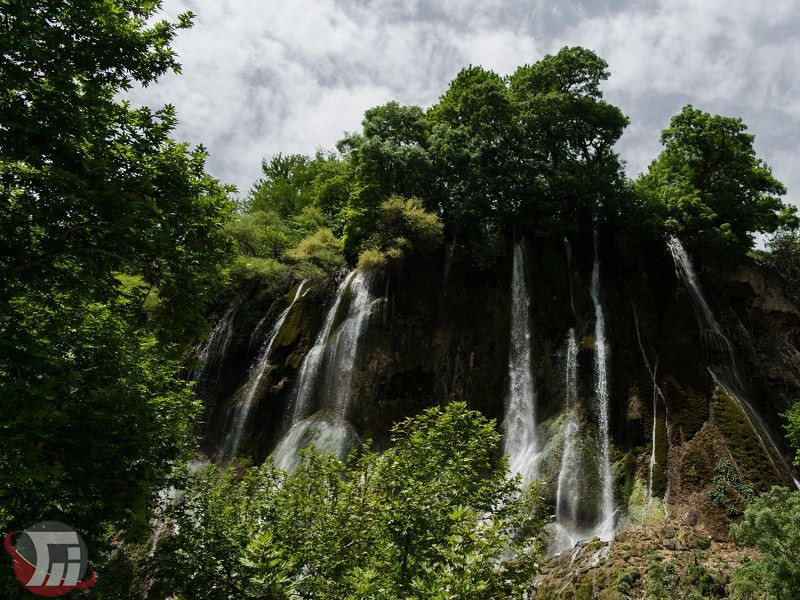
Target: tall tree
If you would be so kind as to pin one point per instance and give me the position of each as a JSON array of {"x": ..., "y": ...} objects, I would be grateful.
[
  {"x": 567, "y": 138},
  {"x": 708, "y": 185},
  {"x": 92, "y": 191},
  {"x": 473, "y": 145},
  {"x": 390, "y": 157}
]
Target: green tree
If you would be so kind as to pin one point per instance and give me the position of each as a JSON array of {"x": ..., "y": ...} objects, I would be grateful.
[
  {"x": 390, "y": 157},
  {"x": 91, "y": 186},
  {"x": 473, "y": 146},
  {"x": 93, "y": 190},
  {"x": 783, "y": 253},
  {"x": 295, "y": 181},
  {"x": 429, "y": 518},
  {"x": 567, "y": 137},
  {"x": 709, "y": 187},
  {"x": 771, "y": 524}
]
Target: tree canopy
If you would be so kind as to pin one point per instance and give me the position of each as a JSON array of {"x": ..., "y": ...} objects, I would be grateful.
[
  {"x": 430, "y": 517},
  {"x": 709, "y": 187},
  {"x": 113, "y": 245}
]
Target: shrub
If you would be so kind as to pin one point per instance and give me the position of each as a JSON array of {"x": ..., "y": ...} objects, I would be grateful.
[
  {"x": 771, "y": 524},
  {"x": 371, "y": 259},
  {"x": 321, "y": 249},
  {"x": 429, "y": 518}
]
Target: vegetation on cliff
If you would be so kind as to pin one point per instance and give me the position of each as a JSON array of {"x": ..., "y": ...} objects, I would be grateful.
[{"x": 117, "y": 244}]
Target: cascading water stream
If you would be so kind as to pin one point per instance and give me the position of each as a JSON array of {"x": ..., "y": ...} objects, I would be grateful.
[
  {"x": 565, "y": 531},
  {"x": 215, "y": 350},
  {"x": 312, "y": 363},
  {"x": 233, "y": 439},
  {"x": 568, "y": 253},
  {"x": 448, "y": 263},
  {"x": 656, "y": 394},
  {"x": 519, "y": 424},
  {"x": 326, "y": 377},
  {"x": 343, "y": 349},
  {"x": 722, "y": 365},
  {"x": 605, "y": 529}
]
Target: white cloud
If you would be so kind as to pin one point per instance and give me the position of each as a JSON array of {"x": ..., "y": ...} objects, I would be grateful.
[{"x": 262, "y": 77}]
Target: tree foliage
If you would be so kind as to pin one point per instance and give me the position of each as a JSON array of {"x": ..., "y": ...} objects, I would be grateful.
[
  {"x": 709, "y": 187},
  {"x": 429, "y": 518},
  {"x": 94, "y": 191},
  {"x": 771, "y": 524}
]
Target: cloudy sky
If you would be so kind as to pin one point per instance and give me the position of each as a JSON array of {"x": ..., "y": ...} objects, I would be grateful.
[{"x": 265, "y": 76}]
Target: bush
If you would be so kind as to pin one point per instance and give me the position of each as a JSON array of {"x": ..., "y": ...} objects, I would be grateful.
[
  {"x": 771, "y": 524},
  {"x": 370, "y": 260},
  {"x": 406, "y": 218},
  {"x": 261, "y": 271},
  {"x": 429, "y": 518},
  {"x": 729, "y": 491},
  {"x": 402, "y": 225},
  {"x": 321, "y": 249}
]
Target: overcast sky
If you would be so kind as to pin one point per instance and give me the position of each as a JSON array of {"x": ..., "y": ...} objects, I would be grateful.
[{"x": 263, "y": 76}]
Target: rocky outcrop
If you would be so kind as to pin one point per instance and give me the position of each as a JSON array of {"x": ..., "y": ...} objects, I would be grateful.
[
  {"x": 443, "y": 334},
  {"x": 658, "y": 560}
]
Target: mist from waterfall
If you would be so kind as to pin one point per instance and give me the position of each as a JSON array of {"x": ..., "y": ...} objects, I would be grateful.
[
  {"x": 605, "y": 529},
  {"x": 519, "y": 423},
  {"x": 241, "y": 414},
  {"x": 324, "y": 434},
  {"x": 722, "y": 365},
  {"x": 326, "y": 375}
]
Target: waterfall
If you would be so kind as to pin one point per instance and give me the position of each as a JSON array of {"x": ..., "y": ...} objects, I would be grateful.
[
  {"x": 571, "y": 370},
  {"x": 312, "y": 363},
  {"x": 215, "y": 350},
  {"x": 242, "y": 412},
  {"x": 326, "y": 376},
  {"x": 722, "y": 365},
  {"x": 605, "y": 528},
  {"x": 568, "y": 253},
  {"x": 653, "y": 371},
  {"x": 343, "y": 348},
  {"x": 519, "y": 424},
  {"x": 448, "y": 262},
  {"x": 566, "y": 532}
]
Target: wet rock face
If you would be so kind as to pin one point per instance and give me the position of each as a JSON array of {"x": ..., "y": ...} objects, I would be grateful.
[
  {"x": 669, "y": 555},
  {"x": 439, "y": 339}
]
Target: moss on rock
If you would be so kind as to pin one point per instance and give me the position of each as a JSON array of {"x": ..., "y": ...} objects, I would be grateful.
[{"x": 742, "y": 442}]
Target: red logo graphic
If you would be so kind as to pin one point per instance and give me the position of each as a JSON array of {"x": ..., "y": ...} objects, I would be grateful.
[{"x": 49, "y": 558}]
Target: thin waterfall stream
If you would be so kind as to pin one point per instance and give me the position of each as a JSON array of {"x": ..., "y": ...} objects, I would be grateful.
[
  {"x": 215, "y": 350},
  {"x": 519, "y": 423},
  {"x": 722, "y": 365},
  {"x": 233, "y": 439},
  {"x": 653, "y": 371},
  {"x": 566, "y": 531},
  {"x": 605, "y": 529}
]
